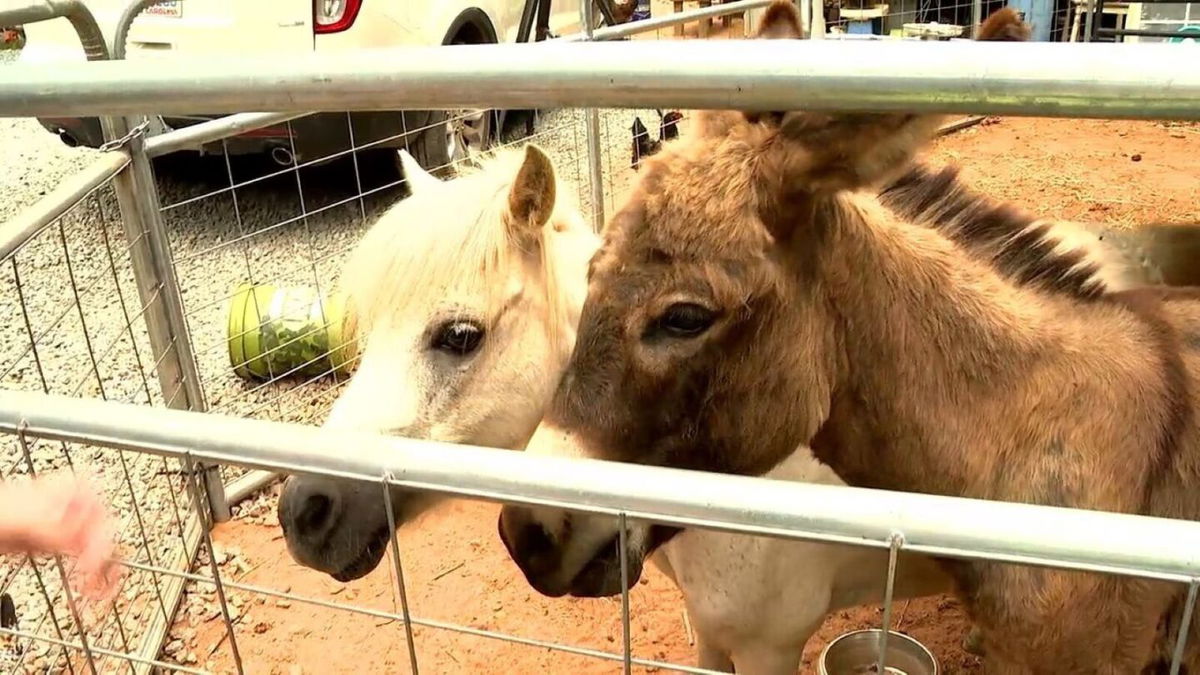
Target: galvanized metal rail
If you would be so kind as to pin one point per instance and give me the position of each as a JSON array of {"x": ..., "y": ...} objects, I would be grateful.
[{"x": 1040, "y": 79}]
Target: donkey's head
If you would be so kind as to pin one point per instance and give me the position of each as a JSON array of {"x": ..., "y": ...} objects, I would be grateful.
[
  {"x": 707, "y": 340},
  {"x": 464, "y": 300}
]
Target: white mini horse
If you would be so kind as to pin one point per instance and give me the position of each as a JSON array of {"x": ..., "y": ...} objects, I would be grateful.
[{"x": 466, "y": 296}]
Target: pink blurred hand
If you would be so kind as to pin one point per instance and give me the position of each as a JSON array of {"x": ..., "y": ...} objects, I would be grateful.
[{"x": 61, "y": 515}]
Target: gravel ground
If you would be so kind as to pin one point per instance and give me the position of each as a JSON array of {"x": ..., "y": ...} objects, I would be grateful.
[{"x": 71, "y": 286}]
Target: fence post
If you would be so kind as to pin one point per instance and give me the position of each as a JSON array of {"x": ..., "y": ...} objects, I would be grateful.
[
  {"x": 154, "y": 268},
  {"x": 592, "y": 132},
  {"x": 1089, "y": 19},
  {"x": 158, "y": 288},
  {"x": 149, "y": 248},
  {"x": 816, "y": 19}
]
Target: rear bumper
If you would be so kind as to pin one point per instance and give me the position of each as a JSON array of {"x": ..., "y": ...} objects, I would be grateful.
[
  {"x": 313, "y": 137},
  {"x": 75, "y": 131}
]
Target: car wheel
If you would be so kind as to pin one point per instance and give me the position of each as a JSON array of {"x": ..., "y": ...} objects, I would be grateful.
[
  {"x": 452, "y": 137},
  {"x": 456, "y": 136}
]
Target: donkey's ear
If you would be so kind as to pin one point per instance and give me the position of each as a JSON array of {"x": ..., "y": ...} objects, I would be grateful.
[
  {"x": 782, "y": 21},
  {"x": 531, "y": 199},
  {"x": 418, "y": 178},
  {"x": 1005, "y": 25},
  {"x": 826, "y": 153},
  {"x": 715, "y": 123}
]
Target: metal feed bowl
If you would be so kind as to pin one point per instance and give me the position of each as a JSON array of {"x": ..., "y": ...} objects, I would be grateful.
[{"x": 857, "y": 653}]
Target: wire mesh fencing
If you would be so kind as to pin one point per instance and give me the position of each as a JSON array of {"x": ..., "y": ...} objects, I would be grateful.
[
  {"x": 283, "y": 219},
  {"x": 283, "y": 213},
  {"x": 394, "y": 627},
  {"x": 73, "y": 324},
  {"x": 237, "y": 221}
]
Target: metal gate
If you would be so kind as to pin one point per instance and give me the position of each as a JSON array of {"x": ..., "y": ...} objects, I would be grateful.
[{"x": 109, "y": 293}]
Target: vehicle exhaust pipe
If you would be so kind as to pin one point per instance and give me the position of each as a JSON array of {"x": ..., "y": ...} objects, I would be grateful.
[
  {"x": 282, "y": 156},
  {"x": 68, "y": 138}
]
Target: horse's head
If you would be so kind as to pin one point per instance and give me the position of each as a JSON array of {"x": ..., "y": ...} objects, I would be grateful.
[
  {"x": 464, "y": 299},
  {"x": 707, "y": 340}
]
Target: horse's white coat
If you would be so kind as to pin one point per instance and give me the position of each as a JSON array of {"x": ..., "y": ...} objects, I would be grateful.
[
  {"x": 447, "y": 253},
  {"x": 753, "y": 601}
]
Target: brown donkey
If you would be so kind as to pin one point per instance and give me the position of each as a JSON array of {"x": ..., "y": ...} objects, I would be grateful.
[{"x": 755, "y": 294}]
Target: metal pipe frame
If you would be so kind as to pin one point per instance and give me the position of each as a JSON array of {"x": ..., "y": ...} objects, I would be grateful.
[
  {"x": 195, "y": 136},
  {"x": 133, "y": 188},
  {"x": 137, "y": 192},
  {"x": 158, "y": 290},
  {"x": 191, "y": 138},
  {"x": 137, "y": 195},
  {"x": 248, "y": 485},
  {"x": 592, "y": 133},
  {"x": 934, "y": 525},
  {"x": 30, "y": 221},
  {"x": 995, "y": 78},
  {"x": 75, "y": 11},
  {"x": 147, "y": 209}
]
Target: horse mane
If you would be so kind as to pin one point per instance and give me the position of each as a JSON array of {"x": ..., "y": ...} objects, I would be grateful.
[
  {"x": 443, "y": 239},
  {"x": 1057, "y": 257}
]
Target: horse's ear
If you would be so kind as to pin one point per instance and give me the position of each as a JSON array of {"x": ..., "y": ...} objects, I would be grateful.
[
  {"x": 418, "y": 178},
  {"x": 531, "y": 199},
  {"x": 782, "y": 21}
]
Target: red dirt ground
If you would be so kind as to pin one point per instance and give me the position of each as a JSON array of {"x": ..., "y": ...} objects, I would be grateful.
[{"x": 457, "y": 570}]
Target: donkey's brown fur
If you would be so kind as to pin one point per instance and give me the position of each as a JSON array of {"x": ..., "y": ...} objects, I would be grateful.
[
  {"x": 1083, "y": 259},
  {"x": 1021, "y": 248},
  {"x": 754, "y": 294}
]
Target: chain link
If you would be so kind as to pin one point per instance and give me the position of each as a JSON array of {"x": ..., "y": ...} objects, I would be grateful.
[{"x": 117, "y": 143}]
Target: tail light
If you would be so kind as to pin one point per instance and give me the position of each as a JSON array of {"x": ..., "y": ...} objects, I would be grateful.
[{"x": 333, "y": 16}]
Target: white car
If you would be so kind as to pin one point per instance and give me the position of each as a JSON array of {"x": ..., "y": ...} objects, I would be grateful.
[{"x": 280, "y": 27}]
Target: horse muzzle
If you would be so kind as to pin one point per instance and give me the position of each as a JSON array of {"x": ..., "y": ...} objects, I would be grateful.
[
  {"x": 336, "y": 527},
  {"x": 554, "y": 570}
]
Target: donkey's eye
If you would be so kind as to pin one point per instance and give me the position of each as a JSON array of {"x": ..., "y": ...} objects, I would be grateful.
[
  {"x": 684, "y": 320},
  {"x": 459, "y": 338}
]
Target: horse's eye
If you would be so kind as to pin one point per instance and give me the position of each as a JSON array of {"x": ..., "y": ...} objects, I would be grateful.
[
  {"x": 685, "y": 320},
  {"x": 459, "y": 338}
]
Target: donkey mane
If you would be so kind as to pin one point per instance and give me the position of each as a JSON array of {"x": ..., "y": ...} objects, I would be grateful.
[
  {"x": 1053, "y": 256},
  {"x": 445, "y": 238}
]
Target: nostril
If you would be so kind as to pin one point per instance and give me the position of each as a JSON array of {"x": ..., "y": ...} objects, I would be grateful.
[
  {"x": 534, "y": 541},
  {"x": 528, "y": 543},
  {"x": 316, "y": 514}
]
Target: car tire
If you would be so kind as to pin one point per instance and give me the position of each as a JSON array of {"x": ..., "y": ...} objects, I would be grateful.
[
  {"x": 451, "y": 137},
  {"x": 456, "y": 136}
]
